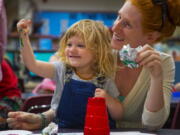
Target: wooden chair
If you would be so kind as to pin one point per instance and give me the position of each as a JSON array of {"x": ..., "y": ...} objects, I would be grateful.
[
  {"x": 37, "y": 104},
  {"x": 176, "y": 118}
]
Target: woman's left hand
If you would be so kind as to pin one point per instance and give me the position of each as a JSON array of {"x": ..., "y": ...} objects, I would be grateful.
[{"x": 150, "y": 58}]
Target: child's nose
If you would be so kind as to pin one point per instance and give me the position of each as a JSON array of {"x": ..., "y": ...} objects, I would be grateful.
[{"x": 72, "y": 48}]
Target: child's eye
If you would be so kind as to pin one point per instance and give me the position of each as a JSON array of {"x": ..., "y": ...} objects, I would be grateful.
[
  {"x": 81, "y": 46},
  {"x": 69, "y": 45}
]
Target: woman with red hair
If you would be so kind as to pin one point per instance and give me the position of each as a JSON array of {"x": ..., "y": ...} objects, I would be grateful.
[{"x": 145, "y": 90}]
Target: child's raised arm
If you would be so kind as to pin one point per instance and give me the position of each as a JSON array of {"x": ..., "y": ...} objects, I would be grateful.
[{"x": 40, "y": 68}]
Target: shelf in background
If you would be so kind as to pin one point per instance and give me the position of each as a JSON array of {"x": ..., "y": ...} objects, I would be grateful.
[{"x": 35, "y": 36}]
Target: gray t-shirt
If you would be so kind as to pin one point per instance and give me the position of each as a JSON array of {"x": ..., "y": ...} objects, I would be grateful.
[{"x": 59, "y": 78}]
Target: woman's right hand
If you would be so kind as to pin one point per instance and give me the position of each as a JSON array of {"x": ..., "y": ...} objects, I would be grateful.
[{"x": 24, "y": 120}]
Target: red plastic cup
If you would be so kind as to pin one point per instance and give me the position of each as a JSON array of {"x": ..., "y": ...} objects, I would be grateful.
[
  {"x": 96, "y": 106},
  {"x": 96, "y": 110},
  {"x": 96, "y": 121},
  {"x": 96, "y": 131},
  {"x": 96, "y": 101}
]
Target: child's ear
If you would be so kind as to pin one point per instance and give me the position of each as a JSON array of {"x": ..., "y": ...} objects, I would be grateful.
[{"x": 153, "y": 36}]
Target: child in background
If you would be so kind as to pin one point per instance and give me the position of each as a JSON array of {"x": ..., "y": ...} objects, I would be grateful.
[
  {"x": 85, "y": 69},
  {"x": 10, "y": 94}
]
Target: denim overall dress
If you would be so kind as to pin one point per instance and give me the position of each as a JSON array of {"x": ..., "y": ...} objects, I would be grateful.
[{"x": 72, "y": 107}]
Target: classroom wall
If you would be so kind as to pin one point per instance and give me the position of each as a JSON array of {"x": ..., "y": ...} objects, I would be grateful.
[{"x": 79, "y": 5}]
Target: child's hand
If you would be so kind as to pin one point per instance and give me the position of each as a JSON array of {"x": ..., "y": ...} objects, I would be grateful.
[
  {"x": 23, "y": 120},
  {"x": 23, "y": 26},
  {"x": 100, "y": 93}
]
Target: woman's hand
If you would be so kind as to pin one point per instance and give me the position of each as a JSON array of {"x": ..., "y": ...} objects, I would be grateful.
[
  {"x": 24, "y": 120},
  {"x": 150, "y": 58}
]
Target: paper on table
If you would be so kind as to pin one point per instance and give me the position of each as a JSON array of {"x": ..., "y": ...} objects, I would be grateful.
[
  {"x": 130, "y": 133},
  {"x": 15, "y": 132},
  {"x": 112, "y": 133}
]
